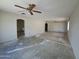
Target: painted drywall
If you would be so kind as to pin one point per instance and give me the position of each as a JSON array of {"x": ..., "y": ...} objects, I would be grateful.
[
  {"x": 57, "y": 26},
  {"x": 74, "y": 32},
  {"x": 8, "y": 29},
  {"x": 34, "y": 27}
]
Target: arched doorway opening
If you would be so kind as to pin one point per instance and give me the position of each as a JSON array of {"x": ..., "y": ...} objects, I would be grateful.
[
  {"x": 46, "y": 27},
  {"x": 20, "y": 28}
]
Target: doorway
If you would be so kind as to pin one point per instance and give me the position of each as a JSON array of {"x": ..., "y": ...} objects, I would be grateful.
[
  {"x": 68, "y": 24},
  {"x": 20, "y": 28},
  {"x": 46, "y": 27}
]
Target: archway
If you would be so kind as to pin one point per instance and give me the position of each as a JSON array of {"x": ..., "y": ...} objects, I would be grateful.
[
  {"x": 20, "y": 28},
  {"x": 46, "y": 27}
]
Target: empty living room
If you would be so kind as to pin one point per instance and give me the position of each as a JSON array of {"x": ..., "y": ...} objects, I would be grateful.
[{"x": 39, "y": 29}]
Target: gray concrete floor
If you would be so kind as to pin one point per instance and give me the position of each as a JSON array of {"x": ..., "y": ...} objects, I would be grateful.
[{"x": 45, "y": 46}]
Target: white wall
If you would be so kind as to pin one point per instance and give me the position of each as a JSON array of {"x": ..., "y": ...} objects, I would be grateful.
[
  {"x": 74, "y": 32},
  {"x": 8, "y": 29},
  {"x": 57, "y": 26},
  {"x": 34, "y": 27}
]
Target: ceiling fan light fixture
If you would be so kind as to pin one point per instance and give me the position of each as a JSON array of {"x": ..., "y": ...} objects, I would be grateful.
[
  {"x": 30, "y": 9},
  {"x": 32, "y": 5}
]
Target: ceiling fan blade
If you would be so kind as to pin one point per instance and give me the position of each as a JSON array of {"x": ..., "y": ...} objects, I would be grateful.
[
  {"x": 37, "y": 11},
  {"x": 31, "y": 12},
  {"x": 20, "y": 6}
]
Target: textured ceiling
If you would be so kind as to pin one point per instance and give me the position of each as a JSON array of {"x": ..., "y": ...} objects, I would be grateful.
[{"x": 49, "y": 8}]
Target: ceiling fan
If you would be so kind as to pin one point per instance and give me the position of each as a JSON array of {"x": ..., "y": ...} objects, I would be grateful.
[{"x": 30, "y": 9}]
